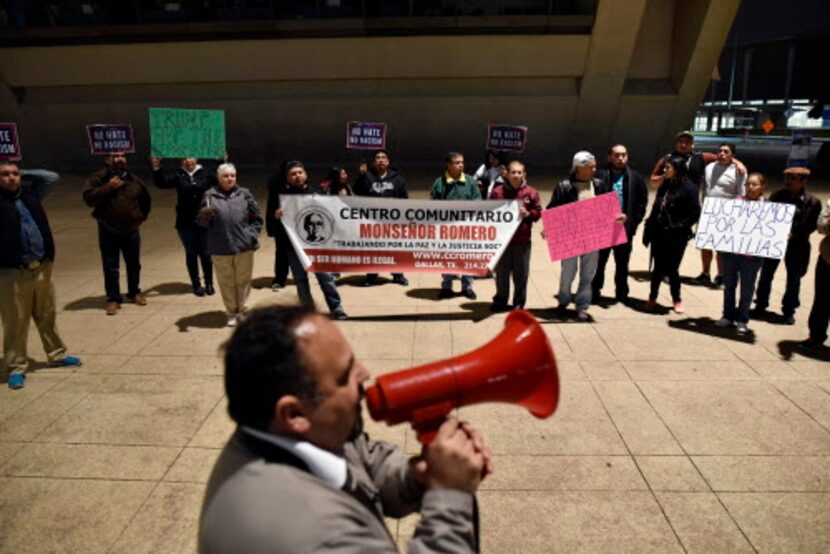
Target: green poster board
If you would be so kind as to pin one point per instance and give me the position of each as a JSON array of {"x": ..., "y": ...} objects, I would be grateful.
[{"x": 176, "y": 133}]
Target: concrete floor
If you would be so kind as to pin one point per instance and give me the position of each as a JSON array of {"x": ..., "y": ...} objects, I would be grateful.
[{"x": 670, "y": 436}]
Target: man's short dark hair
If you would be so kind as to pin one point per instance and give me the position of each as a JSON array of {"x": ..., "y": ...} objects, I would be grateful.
[
  {"x": 9, "y": 162},
  {"x": 262, "y": 364},
  {"x": 451, "y": 156},
  {"x": 614, "y": 145},
  {"x": 729, "y": 145},
  {"x": 517, "y": 161},
  {"x": 380, "y": 151}
]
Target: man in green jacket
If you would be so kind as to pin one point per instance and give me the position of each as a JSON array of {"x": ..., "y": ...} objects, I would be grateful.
[{"x": 454, "y": 184}]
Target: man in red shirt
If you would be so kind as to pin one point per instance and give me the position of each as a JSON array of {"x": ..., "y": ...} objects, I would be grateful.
[{"x": 516, "y": 257}]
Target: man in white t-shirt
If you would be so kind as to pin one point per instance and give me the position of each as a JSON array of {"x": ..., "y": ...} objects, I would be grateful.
[{"x": 723, "y": 179}]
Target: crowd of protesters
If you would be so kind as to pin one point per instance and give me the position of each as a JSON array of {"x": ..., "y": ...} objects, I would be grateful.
[{"x": 219, "y": 223}]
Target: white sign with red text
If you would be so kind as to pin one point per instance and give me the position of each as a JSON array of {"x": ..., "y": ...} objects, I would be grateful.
[{"x": 371, "y": 235}]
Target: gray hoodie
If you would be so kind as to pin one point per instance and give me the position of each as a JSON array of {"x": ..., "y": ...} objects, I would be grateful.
[{"x": 235, "y": 223}]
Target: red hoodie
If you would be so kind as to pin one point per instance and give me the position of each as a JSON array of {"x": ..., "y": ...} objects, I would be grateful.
[{"x": 530, "y": 200}]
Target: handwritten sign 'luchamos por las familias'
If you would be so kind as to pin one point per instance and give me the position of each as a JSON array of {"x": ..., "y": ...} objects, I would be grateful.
[
  {"x": 176, "y": 133},
  {"x": 749, "y": 227}
]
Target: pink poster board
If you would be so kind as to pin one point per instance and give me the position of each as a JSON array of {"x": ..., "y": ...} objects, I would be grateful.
[{"x": 582, "y": 227}]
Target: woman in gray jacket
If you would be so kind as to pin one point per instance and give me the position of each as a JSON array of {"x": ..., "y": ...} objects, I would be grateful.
[{"x": 233, "y": 223}]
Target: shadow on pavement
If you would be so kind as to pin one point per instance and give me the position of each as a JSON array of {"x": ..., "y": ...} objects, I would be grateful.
[
  {"x": 789, "y": 347},
  {"x": 475, "y": 312},
  {"x": 88, "y": 303},
  {"x": 706, "y": 326},
  {"x": 168, "y": 289},
  {"x": 205, "y": 320}
]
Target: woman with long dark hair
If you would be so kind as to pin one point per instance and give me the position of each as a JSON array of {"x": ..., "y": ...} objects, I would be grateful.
[
  {"x": 337, "y": 182},
  {"x": 669, "y": 227}
]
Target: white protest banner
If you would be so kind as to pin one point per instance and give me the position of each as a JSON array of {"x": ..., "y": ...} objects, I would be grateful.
[
  {"x": 372, "y": 235},
  {"x": 753, "y": 228}
]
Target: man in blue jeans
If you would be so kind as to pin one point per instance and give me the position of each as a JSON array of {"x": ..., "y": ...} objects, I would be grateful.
[
  {"x": 121, "y": 204},
  {"x": 296, "y": 182},
  {"x": 27, "y": 251}
]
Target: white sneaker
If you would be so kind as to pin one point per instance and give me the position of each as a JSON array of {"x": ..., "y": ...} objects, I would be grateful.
[
  {"x": 232, "y": 320},
  {"x": 724, "y": 323},
  {"x": 742, "y": 328}
]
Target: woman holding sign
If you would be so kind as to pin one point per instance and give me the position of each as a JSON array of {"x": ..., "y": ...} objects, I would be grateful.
[
  {"x": 669, "y": 227},
  {"x": 191, "y": 181},
  {"x": 233, "y": 223},
  {"x": 741, "y": 267}
]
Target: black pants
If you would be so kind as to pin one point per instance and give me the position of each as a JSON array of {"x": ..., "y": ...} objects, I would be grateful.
[
  {"x": 668, "y": 252},
  {"x": 796, "y": 261},
  {"x": 281, "y": 260},
  {"x": 820, "y": 313},
  {"x": 622, "y": 255},
  {"x": 194, "y": 240},
  {"x": 515, "y": 260},
  {"x": 113, "y": 245}
]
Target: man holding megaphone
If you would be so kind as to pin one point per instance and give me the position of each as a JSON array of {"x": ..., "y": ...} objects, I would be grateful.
[{"x": 299, "y": 475}]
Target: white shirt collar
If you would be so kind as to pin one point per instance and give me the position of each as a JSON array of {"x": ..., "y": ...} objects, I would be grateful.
[
  {"x": 195, "y": 169},
  {"x": 329, "y": 467}
]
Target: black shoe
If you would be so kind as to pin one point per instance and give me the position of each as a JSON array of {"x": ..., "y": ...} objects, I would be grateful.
[
  {"x": 622, "y": 299},
  {"x": 718, "y": 281},
  {"x": 498, "y": 308},
  {"x": 339, "y": 315},
  {"x": 445, "y": 293},
  {"x": 370, "y": 281},
  {"x": 209, "y": 290},
  {"x": 198, "y": 290},
  {"x": 469, "y": 293},
  {"x": 401, "y": 280},
  {"x": 810, "y": 344},
  {"x": 702, "y": 279},
  {"x": 789, "y": 319}
]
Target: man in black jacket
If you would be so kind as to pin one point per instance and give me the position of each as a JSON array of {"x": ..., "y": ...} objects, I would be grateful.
[
  {"x": 27, "y": 250},
  {"x": 296, "y": 182},
  {"x": 381, "y": 181},
  {"x": 276, "y": 186},
  {"x": 191, "y": 181},
  {"x": 633, "y": 193},
  {"x": 797, "y": 258}
]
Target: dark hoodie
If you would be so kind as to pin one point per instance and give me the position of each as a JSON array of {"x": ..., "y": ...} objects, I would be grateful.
[{"x": 393, "y": 185}]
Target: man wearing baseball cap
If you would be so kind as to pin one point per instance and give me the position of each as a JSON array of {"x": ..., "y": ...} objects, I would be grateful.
[
  {"x": 797, "y": 258},
  {"x": 696, "y": 162}
]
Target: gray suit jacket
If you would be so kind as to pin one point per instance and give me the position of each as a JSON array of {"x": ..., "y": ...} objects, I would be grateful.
[{"x": 260, "y": 498}]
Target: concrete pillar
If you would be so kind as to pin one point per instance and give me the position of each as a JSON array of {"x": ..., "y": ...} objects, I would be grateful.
[
  {"x": 613, "y": 39},
  {"x": 701, "y": 27}
]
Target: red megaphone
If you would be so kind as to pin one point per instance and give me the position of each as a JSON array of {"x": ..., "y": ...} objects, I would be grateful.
[{"x": 517, "y": 367}]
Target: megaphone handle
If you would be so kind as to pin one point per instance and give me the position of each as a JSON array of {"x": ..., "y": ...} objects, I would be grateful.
[
  {"x": 426, "y": 421},
  {"x": 427, "y": 436}
]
